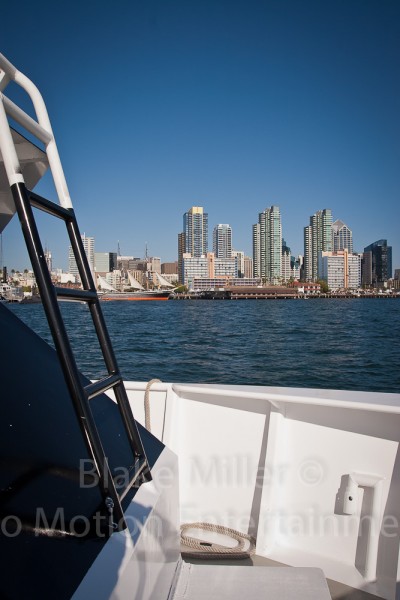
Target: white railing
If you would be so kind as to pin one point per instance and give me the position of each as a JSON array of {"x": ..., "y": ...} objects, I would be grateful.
[{"x": 41, "y": 129}]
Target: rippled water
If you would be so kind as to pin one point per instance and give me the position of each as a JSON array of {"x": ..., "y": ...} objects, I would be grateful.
[{"x": 327, "y": 343}]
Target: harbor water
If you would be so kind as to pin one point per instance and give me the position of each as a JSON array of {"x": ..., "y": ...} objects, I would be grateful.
[{"x": 348, "y": 344}]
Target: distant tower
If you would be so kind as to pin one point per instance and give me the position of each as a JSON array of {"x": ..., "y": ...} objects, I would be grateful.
[
  {"x": 378, "y": 257},
  {"x": 195, "y": 227},
  {"x": 194, "y": 238},
  {"x": 342, "y": 237},
  {"x": 48, "y": 259},
  {"x": 317, "y": 239},
  {"x": 222, "y": 241},
  {"x": 286, "y": 262},
  {"x": 267, "y": 245},
  {"x": 88, "y": 244}
]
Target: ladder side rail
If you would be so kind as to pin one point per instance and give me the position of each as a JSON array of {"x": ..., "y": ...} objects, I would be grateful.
[
  {"x": 43, "y": 119},
  {"x": 9, "y": 154},
  {"x": 64, "y": 351},
  {"x": 105, "y": 341}
]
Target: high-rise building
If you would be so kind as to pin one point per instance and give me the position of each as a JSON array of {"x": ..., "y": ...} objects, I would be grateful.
[
  {"x": 256, "y": 251},
  {"x": 342, "y": 237},
  {"x": 194, "y": 238},
  {"x": 195, "y": 227},
  {"x": 222, "y": 241},
  {"x": 317, "y": 239},
  {"x": 88, "y": 245},
  {"x": 267, "y": 245},
  {"x": 377, "y": 263}
]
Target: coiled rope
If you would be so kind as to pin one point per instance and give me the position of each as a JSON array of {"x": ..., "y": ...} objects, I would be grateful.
[
  {"x": 202, "y": 549},
  {"x": 217, "y": 551}
]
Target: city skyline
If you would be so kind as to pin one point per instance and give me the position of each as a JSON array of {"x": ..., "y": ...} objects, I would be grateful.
[
  {"x": 314, "y": 223},
  {"x": 234, "y": 106}
]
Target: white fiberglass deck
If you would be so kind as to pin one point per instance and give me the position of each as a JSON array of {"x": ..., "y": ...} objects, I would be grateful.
[{"x": 276, "y": 463}]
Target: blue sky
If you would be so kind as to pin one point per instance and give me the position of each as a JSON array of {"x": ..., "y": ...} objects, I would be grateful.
[{"x": 158, "y": 106}]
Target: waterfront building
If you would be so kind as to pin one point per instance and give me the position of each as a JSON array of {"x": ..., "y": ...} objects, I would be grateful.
[
  {"x": 226, "y": 267},
  {"x": 342, "y": 237},
  {"x": 105, "y": 262},
  {"x": 127, "y": 263},
  {"x": 239, "y": 256},
  {"x": 286, "y": 270},
  {"x": 267, "y": 245},
  {"x": 169, "y": 268},
  {"x": 248, "y": 267},
  {"x": 377, "y": 263},
  {"x": 149, "y": 263},
  {"x": 341, "y": 270},
  {"x": 194, "y": 238},
  {"x": 64, "y": 278},
  {"x": 88, "y": 245},
  {"x": 396, "y": 279},
  {"x": 154, "y": 264},
  {"x": 366, "y": 269},
  {"x": 207, "y": 266},
  {"x": 195, "y": 228},
  {"x": 193, "y": 267},
  {"x": 317, "y": 239},
  {"x": 256, "y": 251},
  {"x": 286, "y": 267},
  {"x": 307, "y": 288},
  {"x": 296, "y": 264},
  {"x": 217, "y": 283},
  {"x": 114, "y": 278},
  {"x": 222, "y": 241},
  {"x": 49, "y": 260},
  {"x": 181, "y": 252}
]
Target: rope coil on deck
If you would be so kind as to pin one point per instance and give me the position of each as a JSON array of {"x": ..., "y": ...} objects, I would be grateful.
[
  {"x": 214, "y": 551},
  {"x": 200, "y": 548}
]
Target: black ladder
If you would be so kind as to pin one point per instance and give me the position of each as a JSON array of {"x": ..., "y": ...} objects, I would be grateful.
[{"x": 81, "y": 394}]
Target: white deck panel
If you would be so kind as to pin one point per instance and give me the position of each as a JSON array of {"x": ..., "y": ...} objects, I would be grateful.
[{"x": 198, "y": 582}]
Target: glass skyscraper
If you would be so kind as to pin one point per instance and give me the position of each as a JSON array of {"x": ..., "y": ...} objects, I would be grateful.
[{"x": 377, "y": 263}]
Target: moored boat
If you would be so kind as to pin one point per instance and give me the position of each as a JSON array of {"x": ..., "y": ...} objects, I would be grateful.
[{"x": 138, "y": 295}]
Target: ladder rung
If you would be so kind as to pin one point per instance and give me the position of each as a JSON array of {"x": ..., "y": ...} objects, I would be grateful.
[
  {"x": 140, "y": 466},
  {"x": 94, "y": 389},
  {"x": 74, "y": 294},
  {"x": 50, "y": 207}
]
